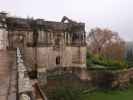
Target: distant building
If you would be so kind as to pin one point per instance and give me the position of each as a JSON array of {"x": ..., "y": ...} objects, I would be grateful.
[{"x": 129, "y": 49}]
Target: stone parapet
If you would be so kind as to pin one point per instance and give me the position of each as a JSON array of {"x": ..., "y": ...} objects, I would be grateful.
[{"x": 25, "y": 89}]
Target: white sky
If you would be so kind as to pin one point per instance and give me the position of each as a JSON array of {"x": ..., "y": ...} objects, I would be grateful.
[{"x": 114, "y": 14}]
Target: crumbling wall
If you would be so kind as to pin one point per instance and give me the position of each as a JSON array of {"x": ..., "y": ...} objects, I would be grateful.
[{"x": 105, "y": 79}]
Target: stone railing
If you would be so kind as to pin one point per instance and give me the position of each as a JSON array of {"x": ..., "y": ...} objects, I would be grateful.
[{"x": 25, "y": 89}]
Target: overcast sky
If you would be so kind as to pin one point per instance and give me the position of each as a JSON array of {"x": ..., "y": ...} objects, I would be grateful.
[{"x": 114, "y": 14}]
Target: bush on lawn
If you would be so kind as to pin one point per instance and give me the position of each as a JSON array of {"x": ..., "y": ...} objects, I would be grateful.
[{"x": 66, "y": 93}]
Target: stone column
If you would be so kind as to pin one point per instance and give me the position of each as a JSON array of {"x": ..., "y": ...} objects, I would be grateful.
[
  {"x": 3, "y": 39},
  {"x": 41, "y": 76}
]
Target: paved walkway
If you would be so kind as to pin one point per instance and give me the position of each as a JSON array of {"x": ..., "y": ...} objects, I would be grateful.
[{"x": 6, "y": 61}]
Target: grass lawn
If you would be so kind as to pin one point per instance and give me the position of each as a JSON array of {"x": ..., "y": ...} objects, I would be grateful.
[{"x": 110, "y": 95}]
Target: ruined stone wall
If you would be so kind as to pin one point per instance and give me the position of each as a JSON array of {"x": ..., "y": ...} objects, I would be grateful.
[
  {"x": 29, "y": 57},
  {"x": 74, "y": 57},
  {"x": 48, "y": 44},
  {"x": 131, "y": 75},
  {"x": 16, "y": 38},
  {"x": 106, "y": 79},
  {"x": 46, "y": 57}
]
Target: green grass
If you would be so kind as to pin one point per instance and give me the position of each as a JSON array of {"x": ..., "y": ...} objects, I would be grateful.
[{"x": 110, "y": 95}]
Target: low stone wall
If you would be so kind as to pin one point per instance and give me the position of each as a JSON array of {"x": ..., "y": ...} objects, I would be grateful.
[
  {"x": 110, "y": 79},
  {"x": 131, "y": 74},
  {"x": 98, "y": 78}
]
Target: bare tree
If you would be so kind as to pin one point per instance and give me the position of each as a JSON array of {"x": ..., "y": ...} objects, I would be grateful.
[{"x": 106, "y": 42}]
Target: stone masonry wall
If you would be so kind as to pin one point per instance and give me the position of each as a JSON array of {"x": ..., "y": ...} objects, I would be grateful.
[
  {"x": 29, "y": 57},
  {"x": 98, "y": 78},
  {"x": 45, "y": 57}
]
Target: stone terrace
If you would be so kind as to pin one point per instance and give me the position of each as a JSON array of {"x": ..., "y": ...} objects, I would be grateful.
[{"x": 6, "y": 62}]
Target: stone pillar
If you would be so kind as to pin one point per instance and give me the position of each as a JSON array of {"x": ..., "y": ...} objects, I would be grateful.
[
  {"x": 41, "y": 76},
  {"x": 3, "y": 39}
]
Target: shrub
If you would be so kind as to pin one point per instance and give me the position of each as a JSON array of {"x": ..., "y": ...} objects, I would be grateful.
[
  {"x": 66, "y": 93},
  {"x": 107, "y": 63}
]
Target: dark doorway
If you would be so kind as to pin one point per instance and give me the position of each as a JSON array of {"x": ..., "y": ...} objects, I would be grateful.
[{"x": 57, "y": 60}]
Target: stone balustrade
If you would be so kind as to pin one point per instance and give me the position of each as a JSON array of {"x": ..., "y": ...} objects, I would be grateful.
[{"x": 25, "y": 89}]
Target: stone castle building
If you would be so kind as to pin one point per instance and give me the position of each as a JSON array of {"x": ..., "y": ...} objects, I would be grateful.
[{"x": 45, "y": 44}]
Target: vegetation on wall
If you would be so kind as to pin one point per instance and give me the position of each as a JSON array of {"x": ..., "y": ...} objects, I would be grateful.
[
  {"x": 65, "y": 93},
  {"x": 65, "y": 87},
  {"x": 106, "y": 50},
  {"x": 94, "y": 60}
]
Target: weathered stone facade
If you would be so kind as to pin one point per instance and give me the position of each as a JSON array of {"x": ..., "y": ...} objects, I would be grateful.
[
  {"x": 3, "y": 33},
  {"x": 47, "y": 44}
]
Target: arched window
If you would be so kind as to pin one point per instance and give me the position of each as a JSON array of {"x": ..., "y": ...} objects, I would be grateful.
[{"x": 57, "y": 60}]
